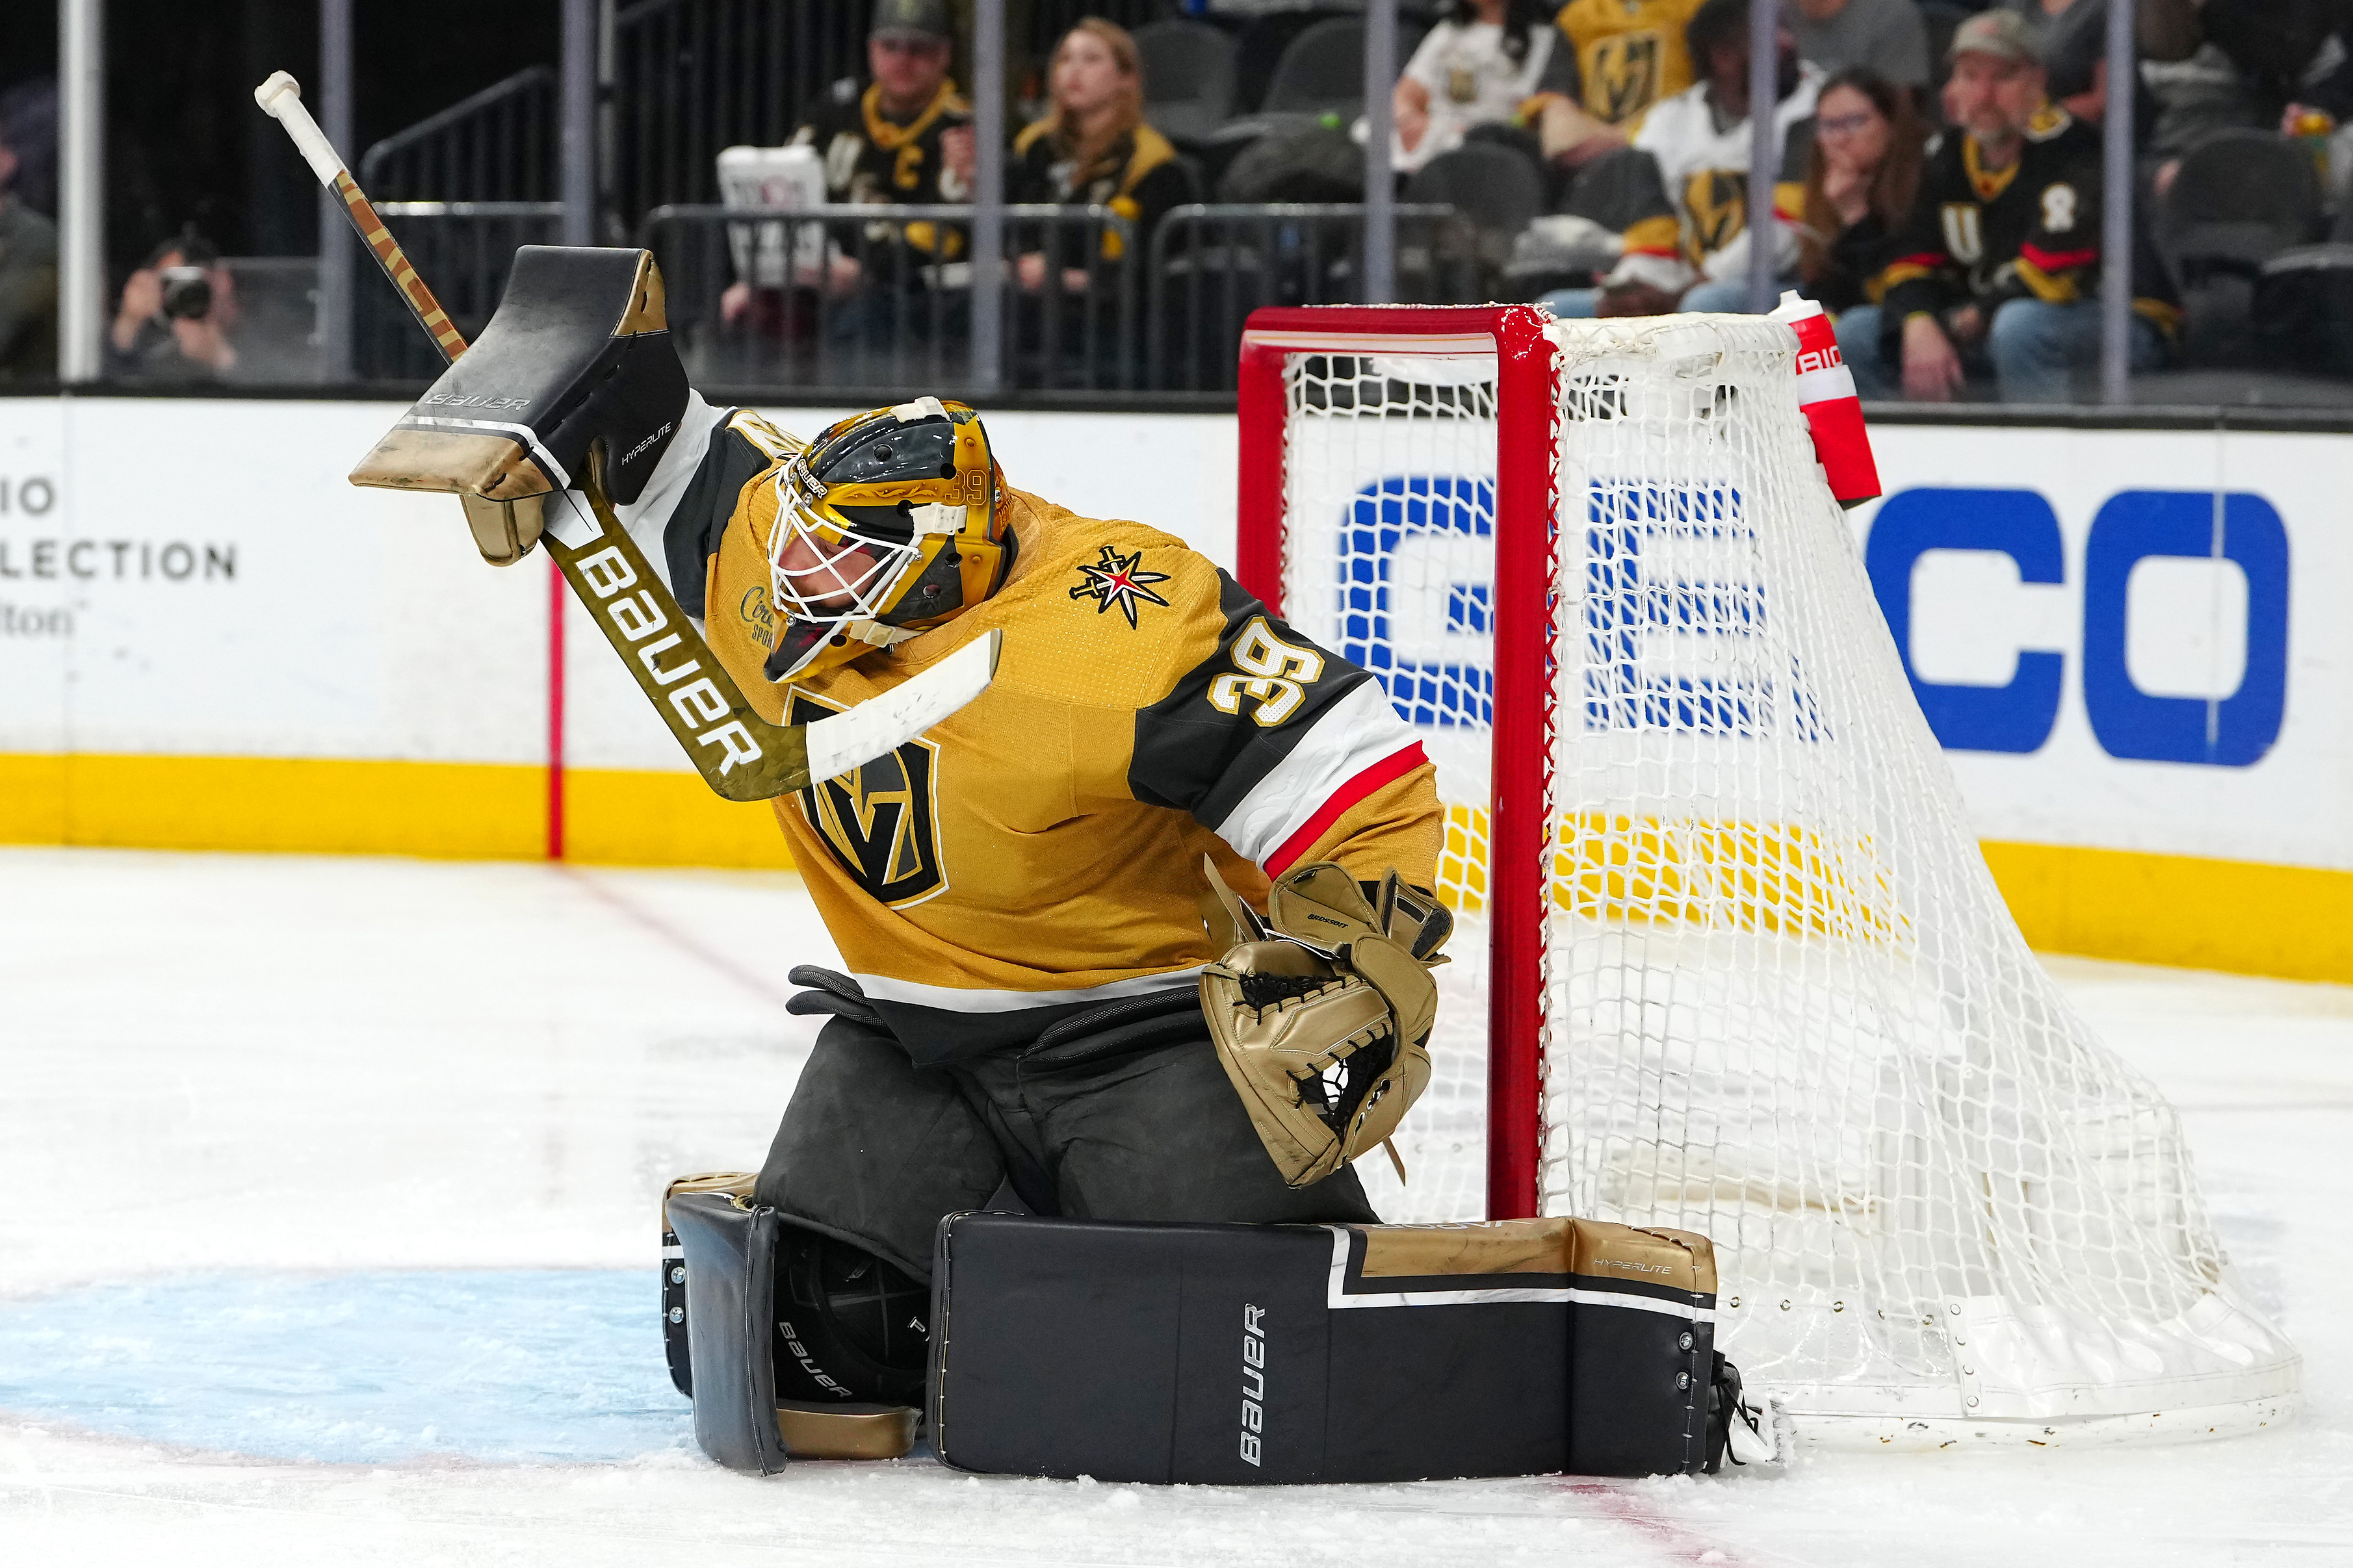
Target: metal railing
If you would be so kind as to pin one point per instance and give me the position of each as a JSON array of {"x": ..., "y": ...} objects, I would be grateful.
[
  {"x": 497, "y": 146},
  {"x": 878, "y": 297},
  {"x": 692, "y": 76},
  {"x": 1213, "y": 265},
  {"x": 464, "y": 250}
]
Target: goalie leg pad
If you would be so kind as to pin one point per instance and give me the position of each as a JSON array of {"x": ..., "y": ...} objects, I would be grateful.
[
  {"x": 796, "y": 1343},
  {"x": 1251, "y": 1354}
]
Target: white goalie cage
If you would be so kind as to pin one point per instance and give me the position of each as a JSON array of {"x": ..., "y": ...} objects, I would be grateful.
[{"x": 1756, "y": 979}]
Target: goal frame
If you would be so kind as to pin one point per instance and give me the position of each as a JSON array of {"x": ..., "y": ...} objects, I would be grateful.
[{"x": 1518, "y": 843}]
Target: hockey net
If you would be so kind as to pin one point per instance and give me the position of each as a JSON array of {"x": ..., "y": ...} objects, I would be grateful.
[{"x": 1729, "y": 959}]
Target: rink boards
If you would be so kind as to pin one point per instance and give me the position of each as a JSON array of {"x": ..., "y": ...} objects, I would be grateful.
[{"x": 2131, "y": 642}]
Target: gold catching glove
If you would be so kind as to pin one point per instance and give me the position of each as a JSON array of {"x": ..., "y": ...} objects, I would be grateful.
[{"x": 1322, "y": 1012}]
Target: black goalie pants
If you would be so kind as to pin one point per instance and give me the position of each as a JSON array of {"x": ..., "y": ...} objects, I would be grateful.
[{"x": 1089, "y": 1125}]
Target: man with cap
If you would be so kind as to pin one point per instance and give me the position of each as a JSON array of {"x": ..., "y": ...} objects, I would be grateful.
[
  {"x": 903, "y": 136},
  {"x": 1999, "y": 263}
]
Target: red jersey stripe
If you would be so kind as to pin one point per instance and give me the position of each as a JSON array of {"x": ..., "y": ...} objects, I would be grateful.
[
  {"x": 1389, "y": 769},
  {"x": 2058, "y": 260}
]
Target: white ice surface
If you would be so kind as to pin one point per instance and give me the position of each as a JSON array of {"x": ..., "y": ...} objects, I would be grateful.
[{"x": 231, "y": 1086}]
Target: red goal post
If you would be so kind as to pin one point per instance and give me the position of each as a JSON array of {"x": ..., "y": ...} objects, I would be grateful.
[{"x": 1517, "y": 845}]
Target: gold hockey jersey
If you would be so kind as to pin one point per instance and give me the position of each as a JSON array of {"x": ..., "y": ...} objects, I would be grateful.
[
  {"x": 1630, "y": 54},
  {"x": 1042, "y": 847}
]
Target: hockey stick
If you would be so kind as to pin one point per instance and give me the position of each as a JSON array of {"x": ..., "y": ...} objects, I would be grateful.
[{"x": 695, "y": 696}]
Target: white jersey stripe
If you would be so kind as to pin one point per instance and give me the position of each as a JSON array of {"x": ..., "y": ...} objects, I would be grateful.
[
  {"x": 1357, "y": 732},
  {"x": 956, "y": 999}
]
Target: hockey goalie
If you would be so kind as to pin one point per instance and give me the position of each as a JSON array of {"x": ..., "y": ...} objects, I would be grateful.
[{"x": 1136, "y": 952}]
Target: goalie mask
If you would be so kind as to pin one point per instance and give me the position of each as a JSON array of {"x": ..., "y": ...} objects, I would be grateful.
[{"x": 888, "y": 524}]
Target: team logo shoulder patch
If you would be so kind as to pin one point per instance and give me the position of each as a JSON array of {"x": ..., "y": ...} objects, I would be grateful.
[
  {"x": 880, "y": 822},
  {"x": 1118, "y": 580},
  {"x": 2047, "y": 121}
]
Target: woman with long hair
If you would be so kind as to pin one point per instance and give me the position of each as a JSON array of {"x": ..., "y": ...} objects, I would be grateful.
[
  {"x": 1487, "y": 63},
  {"x": 1861, "y": 179},
  {"x": 1094, "y": 148}
]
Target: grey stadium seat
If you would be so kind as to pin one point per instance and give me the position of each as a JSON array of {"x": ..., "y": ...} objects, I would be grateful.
[
  {"x": 2239, "y": 198},
  {"x": 1322, "y": 70},
  {"x": 1496, "y": 187},
  {"x": 1189, "y": 78}
]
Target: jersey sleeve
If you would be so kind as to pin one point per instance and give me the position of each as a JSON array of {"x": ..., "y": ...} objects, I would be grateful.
[{"x": 1289, "y": 753}]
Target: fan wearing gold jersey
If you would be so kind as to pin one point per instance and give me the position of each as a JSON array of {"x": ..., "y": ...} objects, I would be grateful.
[
  {"x": 1625, "y": 56},
  {"x": 1030, "y": 998}
]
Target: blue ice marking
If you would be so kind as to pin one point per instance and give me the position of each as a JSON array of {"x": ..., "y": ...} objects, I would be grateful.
[{"x": 509, "y": 1366}]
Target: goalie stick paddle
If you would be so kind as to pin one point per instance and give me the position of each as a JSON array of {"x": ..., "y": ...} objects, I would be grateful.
[{"x": 740, "y": 755}]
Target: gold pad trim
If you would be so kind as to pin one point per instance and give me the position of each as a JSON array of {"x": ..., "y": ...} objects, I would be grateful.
[
  {"x": 847, "y": 1431},
  {"x": 1497, "y": 1246},
  {"x": 1681, "y": 1259},
  {"x": 496, "y": 468}
]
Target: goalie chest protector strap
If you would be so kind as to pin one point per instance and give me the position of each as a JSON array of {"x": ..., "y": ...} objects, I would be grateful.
[{"x": 1238, "y": 1354}]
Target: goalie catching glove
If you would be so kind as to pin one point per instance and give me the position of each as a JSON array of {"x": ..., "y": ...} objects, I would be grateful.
[{"x": 1322, "y": 1012}]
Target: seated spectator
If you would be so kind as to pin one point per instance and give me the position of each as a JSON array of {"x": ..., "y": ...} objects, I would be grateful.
[
  {"x": 1093, "y": 149},
  {"x": 28, "y": 281},
  {"x": 1685, "y": 181},
  {"x": 1890, "y": 36},
  {"x": 1488, "y": 62},
  {"x": 905, "y": 137},
  {"x": 1998, "y": 265},
  {"x": 1860, "y": 178},
  {"x": 1627, "y": 56},
  {"x": 173, "y": 321}
]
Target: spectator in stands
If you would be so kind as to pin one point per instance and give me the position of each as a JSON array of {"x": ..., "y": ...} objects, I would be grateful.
[
  {"x": 1630, "y": 54},
  {"x": 1860, "y": 178},
  {"x": 1487, "y": 62},
  {"x": 173, "y": 320},
  {"x": 28, "y": 280},
  {"x": 1680, "y": 192},
  {"x": 1093, "y": 149},
  {"x": 905, "y": 137},
  {"x": 1997, "y": 264},
  {"x": 1890, "y": 36}
]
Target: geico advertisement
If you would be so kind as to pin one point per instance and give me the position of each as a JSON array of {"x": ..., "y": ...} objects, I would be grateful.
[
  {"x": 198, "y": 577},
  {"x": 2128, "y": 639}
]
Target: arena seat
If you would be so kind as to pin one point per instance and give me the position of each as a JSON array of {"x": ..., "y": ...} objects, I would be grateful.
[{"x": 1189, "y": 78}]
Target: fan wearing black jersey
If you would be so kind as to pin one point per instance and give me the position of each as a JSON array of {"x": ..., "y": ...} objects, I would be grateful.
[{"x": 1999, "y": 267}]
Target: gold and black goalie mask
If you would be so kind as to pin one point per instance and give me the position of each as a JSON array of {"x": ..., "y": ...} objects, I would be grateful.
[{"x": 888, "y": 524}]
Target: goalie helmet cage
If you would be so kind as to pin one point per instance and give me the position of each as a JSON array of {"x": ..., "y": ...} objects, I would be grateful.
[{"x": 1729, "y": 959}]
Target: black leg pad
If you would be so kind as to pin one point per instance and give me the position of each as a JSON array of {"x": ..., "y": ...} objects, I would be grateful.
[
  {"x": 1246, "y": 1354},
  {"x": 730, "y": 1250}
]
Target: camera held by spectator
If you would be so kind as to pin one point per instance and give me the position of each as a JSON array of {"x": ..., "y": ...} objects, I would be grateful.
[{"x": 175, "y": 315}]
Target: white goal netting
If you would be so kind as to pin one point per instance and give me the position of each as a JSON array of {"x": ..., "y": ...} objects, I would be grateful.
[{"x": 1785, "y": 1004}]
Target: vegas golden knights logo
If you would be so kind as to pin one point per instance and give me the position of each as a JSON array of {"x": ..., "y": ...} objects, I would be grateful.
[
  {"x": 879, "y": 820},
  {"x": 1718, "y": 201},
  {"x": 1622, "y": 79}
]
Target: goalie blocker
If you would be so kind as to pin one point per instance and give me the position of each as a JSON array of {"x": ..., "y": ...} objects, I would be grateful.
[{"x": 1216, "y": 1353}]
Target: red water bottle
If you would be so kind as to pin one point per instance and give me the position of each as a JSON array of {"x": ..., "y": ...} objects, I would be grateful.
[{"x": 1826, "y": 392}]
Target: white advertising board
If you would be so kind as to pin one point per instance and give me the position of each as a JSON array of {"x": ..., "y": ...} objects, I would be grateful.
[{"x": 2128, "y": 639}]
